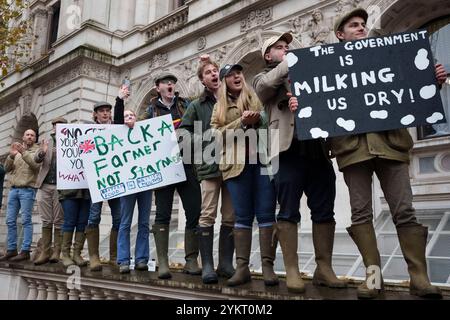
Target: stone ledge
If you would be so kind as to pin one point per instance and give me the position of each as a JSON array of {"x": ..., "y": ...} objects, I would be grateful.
[{"x": 145, "y": 285}]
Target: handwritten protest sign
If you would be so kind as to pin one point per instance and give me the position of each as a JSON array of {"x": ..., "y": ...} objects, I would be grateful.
[
  {"x": 122, "y": 161},
  {"x": 367, "y": 85},
  {"x": 71, "y": 173}
]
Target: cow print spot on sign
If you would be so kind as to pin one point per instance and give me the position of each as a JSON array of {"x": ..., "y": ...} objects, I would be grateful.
[
  {"x": 421, "y": 61},
  {"x": 435, "y": 117},
  {"x": 382, "y": 114},
  {"x": 348, "y": 125},
  {"x": 292, "y": 59},
  {"x": 318, "y": 133},
  {"x": 428, "y": 92},
  {"x": 305, "y": 113},
  {"x": 407, "y": 120}
]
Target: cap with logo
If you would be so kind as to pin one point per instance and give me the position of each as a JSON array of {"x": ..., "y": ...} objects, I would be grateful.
[{"x": 227, "y": 69}]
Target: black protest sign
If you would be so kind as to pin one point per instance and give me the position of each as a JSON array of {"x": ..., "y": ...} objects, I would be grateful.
[{"x": 367, "y": 85}]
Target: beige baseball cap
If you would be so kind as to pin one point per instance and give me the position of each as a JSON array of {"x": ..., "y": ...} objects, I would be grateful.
[
  {"x": 358, "y": 12},
  {"x": 272, "y": 40}
]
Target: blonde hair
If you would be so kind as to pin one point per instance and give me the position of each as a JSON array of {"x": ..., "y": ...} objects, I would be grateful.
[
  {"x": 247, "y": 100},
  {"x": 129, "y": 110}
]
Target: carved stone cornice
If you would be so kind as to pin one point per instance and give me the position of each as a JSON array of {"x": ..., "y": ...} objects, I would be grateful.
[{"x": 256, "y": 18}]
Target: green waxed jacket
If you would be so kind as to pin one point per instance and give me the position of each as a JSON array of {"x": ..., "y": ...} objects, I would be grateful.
[
  {"x": 201, "y": 110},
  {"x": 391, "y": 144}
]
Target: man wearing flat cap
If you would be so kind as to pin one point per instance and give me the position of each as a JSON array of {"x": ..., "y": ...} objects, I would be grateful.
[
  {"x": 386, "y": 154},
  {"x": 48, "y": 204},
  {"x": 304, "y": 167},
  {"x": 168, "y": 102}
]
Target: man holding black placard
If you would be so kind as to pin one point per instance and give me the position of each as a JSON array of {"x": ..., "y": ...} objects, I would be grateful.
[
  {"x": 304, "y": 167},
  {"x": 387, "y": 154}
]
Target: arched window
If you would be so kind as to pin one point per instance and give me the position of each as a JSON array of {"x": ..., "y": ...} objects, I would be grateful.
[{"x": 439, "y": 30}]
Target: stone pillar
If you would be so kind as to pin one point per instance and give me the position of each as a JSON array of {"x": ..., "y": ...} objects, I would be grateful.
[
  {"x": 73, "y": 294},
  {"x": 141, "y": 12},
  {"x": 32, "y": 290},
  {"x": 42, "y": 291},
  {"x": 51, "y": 291},
  {"x": 97, "y": 294},
  {"x": 111, "y": 295},
  {"x": 61, "y": 291},
  {"x": 40, "y": 29},
  {"x": 85, "y": 294}
]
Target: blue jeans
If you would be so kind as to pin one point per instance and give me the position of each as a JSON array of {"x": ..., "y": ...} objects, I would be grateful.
[
  {"x": 96, "y": 213},
  {"x": 20, "y": 198},
  {"x": 76, "y": 214},
  {"x": 252, "y": 194},
  {"x": 142, "y": 249}
]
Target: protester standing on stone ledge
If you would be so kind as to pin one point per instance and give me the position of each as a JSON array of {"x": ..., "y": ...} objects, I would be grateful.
[
  {"x": 49, "y": 207},
  {"x": 210, "y": 177},
  {"x": 102, "y": 115},
  {"x": 23, "y": 171},
  {"x": 304, "y": 167},
  {"x": 168, "y": 102},
  {"x": 252, "y": 193},
  {"x": 386, "y": 154},
  {"x": 144, "y": 202}
]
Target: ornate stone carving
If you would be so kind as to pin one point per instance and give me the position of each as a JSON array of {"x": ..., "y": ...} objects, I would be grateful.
[
  {"x": 158, "y": 60},
  {"x": 296, "y": 27},
  {"x": 318, "y": 29},
  {"x": 219, "y": 54},
  {"x": 87, "y": 69},
  {"x": 256, "y": 18},
  {"x": 201, "y": 43}
]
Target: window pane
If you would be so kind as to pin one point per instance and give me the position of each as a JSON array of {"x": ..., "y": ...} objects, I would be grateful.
[
  {"x": 396, "y": 270},
  {"x": 439, "y": 270},
  {"x": 387, "y": 243},
  {"x": 442, "y": 246}
]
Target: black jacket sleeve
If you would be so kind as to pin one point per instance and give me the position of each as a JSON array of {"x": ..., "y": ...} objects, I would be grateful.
[{"x": 118, "y": 111}]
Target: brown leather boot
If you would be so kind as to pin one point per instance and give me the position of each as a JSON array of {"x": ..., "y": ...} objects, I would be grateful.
[
  {"x": 78, "y": 245},
  {"x": 268, "y": 247},
  {"x": 92, "y": 236},
  {"x": 22, "y": 256},
  {"x": 323, "y": 239},
  {"x": 243, "y": 244},
  {"x": 57, "y": 241},
  {"x": 413, "y": 242},
  {"x": 8, "y": 255},
  {"x": 65, "y": 249},
  {"x": 365, "y": 239},
  {"x": 287, "y": 233},
  {"x": 46, "y": 243}
]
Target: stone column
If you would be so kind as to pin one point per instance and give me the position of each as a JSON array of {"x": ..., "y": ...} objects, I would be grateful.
[
  {"x": 32, "y": 290},
  {"x": 61, "y": 291},
  {"x": 42, "y": 291},
  {"x": 51, "y": 291}
]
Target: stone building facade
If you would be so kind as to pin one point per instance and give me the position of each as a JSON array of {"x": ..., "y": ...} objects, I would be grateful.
[{"x": 85, "y": 48}]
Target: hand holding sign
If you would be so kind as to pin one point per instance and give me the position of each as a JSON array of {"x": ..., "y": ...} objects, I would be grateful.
[
  {"x": 293, "y": 102},
  {"x": 366, "y": 85},
  {"x": 441, "y": 74}
]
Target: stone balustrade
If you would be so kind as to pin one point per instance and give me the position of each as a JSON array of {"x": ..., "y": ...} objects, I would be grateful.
[
  {"x": 169, "y": 23},
  {"x": 54, "y": 282}
]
